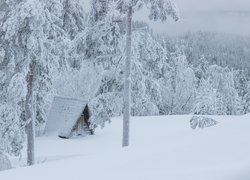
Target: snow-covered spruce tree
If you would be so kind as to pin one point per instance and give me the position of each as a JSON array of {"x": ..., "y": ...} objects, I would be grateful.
[
  {"x": 97, "y": 42},
  {"x": 74, "y": 17},
  {"x": 26, "y": 38},
  {"x": 11, "y": 135},
  {"x": 58, "y": 40},
  {"x": 23, "y": 39},
  {"x": 159, "y": 9},
  {"x": 102, "y": 33},
  {"x": 148, "y": 58}
]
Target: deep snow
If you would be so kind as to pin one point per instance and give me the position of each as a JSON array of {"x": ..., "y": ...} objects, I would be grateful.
[{"x": 163, "y": 147}]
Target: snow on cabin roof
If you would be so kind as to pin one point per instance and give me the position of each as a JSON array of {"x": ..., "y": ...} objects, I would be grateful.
[{"x": 64, "y": 113}]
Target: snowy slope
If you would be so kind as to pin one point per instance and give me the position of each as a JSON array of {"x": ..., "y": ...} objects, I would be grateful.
[{"x": 162, "y": 147}]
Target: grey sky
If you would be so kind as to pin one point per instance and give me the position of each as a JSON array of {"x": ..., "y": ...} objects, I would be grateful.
[
  {"x": 204, "y": 15},
  {"x": 228, "y": 16},
  {"x": 213, "y": 5}
]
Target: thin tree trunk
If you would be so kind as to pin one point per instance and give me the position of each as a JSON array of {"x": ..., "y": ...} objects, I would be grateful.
[
  {"x": 30, "y": 128},
  {"x": 126, "y": 115}
]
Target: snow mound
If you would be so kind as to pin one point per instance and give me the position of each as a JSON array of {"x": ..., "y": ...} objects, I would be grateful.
[{"x": 202, "y": 122}]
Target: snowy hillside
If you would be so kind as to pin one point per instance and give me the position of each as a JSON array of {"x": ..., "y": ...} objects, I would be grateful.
[{"x": 162, "y": 147}]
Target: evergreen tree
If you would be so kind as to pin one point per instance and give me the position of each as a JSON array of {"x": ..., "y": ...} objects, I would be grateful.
[
  {"x": 28, "y": 38},
  {"x": 23, "y": 38},
  {"x": 74, "y": 17}
]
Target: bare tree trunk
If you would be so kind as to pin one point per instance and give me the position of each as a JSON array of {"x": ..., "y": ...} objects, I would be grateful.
[
  {"x": 126, "y": 113},
  {"x": 29, "y": 109}
]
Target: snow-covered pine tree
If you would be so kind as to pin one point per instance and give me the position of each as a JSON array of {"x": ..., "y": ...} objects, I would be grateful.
[{"x": 159, "y": 9}]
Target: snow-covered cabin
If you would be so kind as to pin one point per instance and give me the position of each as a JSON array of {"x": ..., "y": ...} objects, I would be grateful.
[{"x": 68, "y": 116}]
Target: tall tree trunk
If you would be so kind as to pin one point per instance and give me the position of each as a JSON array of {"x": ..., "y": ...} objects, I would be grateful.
[
  {"x": 126, "y": 113},
  {"x": 29, "y": 109}
]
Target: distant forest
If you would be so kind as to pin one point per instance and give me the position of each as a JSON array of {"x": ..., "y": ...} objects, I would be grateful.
[{"x": 226, "y": 50}]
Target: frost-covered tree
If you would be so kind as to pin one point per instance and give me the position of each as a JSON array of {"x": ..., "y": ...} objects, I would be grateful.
[
  {"x": 102, "y": 35},
  {"x": 207, "y": 99},
  {"x": 74, "y": 17},
  {"x": 54, "y": 59},
  {"x": 223, "y": 81},
  {"x": 178, "y": 76},
  {"x": 217, "y": 92},
  {"x": 23, "y": 38},
  {"x": 246, "y": 100},
  {"x": 28, "y": 35},
  {"x": 159, "y": 10},
  {"x": 241, "y": 80},
  {"x": 148, "y": 58},
  {"x": 11, "y": 136},
  {"x": 73, "y": 83}
]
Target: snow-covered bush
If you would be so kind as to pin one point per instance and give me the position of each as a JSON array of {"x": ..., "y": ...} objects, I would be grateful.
[
  {"x": 202, "y": 122},
  {"x": 83, "y": 83}
]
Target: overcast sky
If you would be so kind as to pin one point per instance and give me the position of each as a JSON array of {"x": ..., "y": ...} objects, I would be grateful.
[
  {"x": 205, "y": 15},
  {"x": 213, "y": 5}
]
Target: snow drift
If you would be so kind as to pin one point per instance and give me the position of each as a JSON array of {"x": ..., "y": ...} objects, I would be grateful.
[{"x": 162, "y": 147}]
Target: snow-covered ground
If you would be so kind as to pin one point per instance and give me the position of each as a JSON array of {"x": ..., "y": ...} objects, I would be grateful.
[{"x": 162, "y": 148}]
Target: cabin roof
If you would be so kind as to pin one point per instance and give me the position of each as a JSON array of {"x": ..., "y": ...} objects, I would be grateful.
[{"x": 64, "y": 113}]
